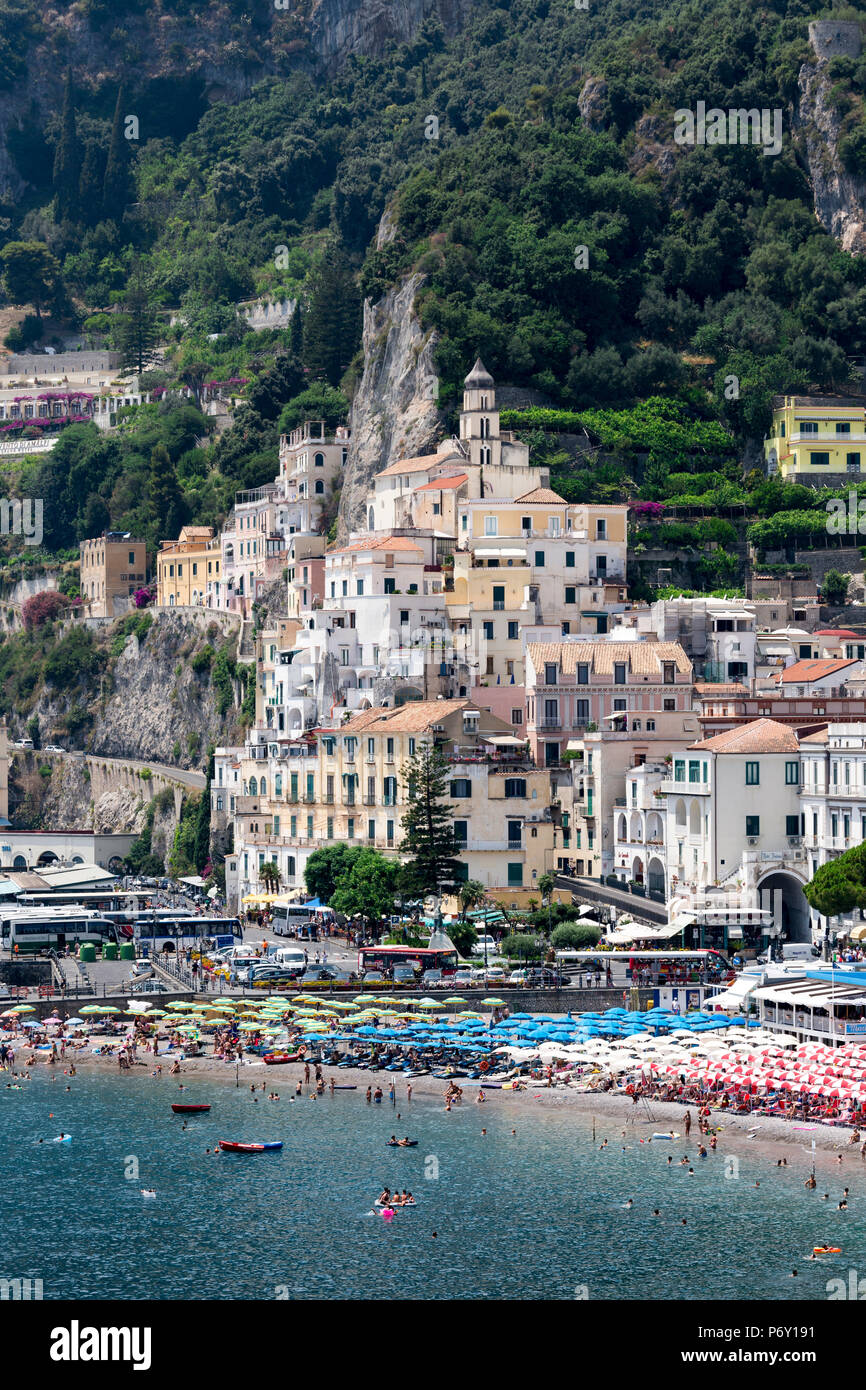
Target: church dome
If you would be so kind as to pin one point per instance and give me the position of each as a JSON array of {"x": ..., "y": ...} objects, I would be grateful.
[{"x": 479, "y": 378}]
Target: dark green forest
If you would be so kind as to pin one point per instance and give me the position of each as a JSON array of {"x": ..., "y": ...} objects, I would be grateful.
[{"x": 575, "y": 259}]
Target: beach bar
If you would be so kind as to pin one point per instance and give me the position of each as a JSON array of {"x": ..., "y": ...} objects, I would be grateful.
[{"x": 830, "y": 1005}]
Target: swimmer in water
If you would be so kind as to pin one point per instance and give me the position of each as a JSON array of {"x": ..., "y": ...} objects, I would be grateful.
[
  {"x": 629, "y": 1204},
  {"x": 148, "y": 1192}
]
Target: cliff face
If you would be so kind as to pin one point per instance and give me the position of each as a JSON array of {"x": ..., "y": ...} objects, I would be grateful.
[
  {"x": 394, "y": 413},
  {"x": 839, "y": 197},
  {"x": 215, "y": 43}
]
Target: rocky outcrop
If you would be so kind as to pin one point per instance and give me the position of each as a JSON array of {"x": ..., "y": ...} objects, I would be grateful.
[
  {"x": 341, "y": 27},
  {"x": 394, "y": 413},
  {"x": 592, "y": 102},
  {"x": 839, "y": 197}
]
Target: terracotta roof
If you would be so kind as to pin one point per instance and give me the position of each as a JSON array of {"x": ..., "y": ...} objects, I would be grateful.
[
  {"x": 440, "y": 484},
  {"x": 819, "y": 736},
  {"x": 758, "y": 736},
  {"x": 414, "y": 717},
  {"x": 389, "y": 543},
  {"x": 839, "y": 632},
  {"x": 541, "y": 495},
  {"x": 805, "y": 671},
  {"x": 642, "y": 658},
  {"x": 422, "y": 464}
]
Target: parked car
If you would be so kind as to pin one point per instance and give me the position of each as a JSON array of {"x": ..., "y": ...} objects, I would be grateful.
[
  {"x": 431, "y": 978},
  {"x": 327, "y": 972},
  {"x": 405, "y": 975},
  {"x": 142, "y": 970},
  {"x": 53, "y": 748},
  {"x": 153, "y": 986},
  {"x": 484, "y": 941},
  {"x": 463, "y": 977},
  {"x": 376, "y": 977},
  {"x": 533, "y": 977},
  {"x": 492, "y": 974}
]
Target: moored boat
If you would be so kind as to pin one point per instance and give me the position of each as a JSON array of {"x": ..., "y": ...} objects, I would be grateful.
[
  {"x": 230, "y": 1147},
  {"x": 276, "y": 1059},
  {"x": 190, "y": 1109}
]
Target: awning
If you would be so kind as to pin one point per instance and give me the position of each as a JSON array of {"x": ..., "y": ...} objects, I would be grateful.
[
  {"x": 504, "y": 740},
  {"x": 641, "y": 931},
  {"x": 260, "y": 899},
  {"x": 858, "y": 934},
  {"x": 574, "y": 745},
  {"x": 499, "y": 550}
]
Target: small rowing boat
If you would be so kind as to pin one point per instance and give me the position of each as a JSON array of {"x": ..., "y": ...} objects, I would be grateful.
[
  {"x": 229, "y": 1147},
  {"x": 276, "y": 1059},
  {"x": 190, "y": 1109}
]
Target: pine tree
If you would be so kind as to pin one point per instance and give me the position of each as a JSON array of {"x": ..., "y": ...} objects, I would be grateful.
[
  {"x": 67, "y": 160},
  {"x": 138, "y": 332},
  {"x": 116, "y": 186},
  {"x": 332, "y": 326},
  {"x": 165, "y": 498},
  {"x": 91, "y": 183},
  {"x": 428, "y": 822}
]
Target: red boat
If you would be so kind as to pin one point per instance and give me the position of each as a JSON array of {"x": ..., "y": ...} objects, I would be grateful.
[
  {"x": 230, "y": 1147},
  {"x": 276, "y": 1059},
  {"x": 189, "y": 1109}
]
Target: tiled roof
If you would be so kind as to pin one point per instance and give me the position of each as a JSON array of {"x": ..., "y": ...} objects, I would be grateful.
[
  {"x": 642, "y": 658},
  {"x": 422, "y": 464},
  {"x": 414, "y": 717},
  {"x": 541, "y": 495},
  {"x": 805, "y": 671},
  {"x": 819, "y": 736},
  {"x": 839, "y": 632},
  {"x": 388, "y": 543},
  {"x": 758, "y": 736},
  {"x": 440, "y": 484}
]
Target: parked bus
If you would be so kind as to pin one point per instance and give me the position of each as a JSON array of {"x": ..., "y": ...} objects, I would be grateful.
[
  {"x": 43, "y": 928},
  {"x": 300, "y": 920},
  {"x": 175, "y": 932},
  {"x": 384, "y": 958},
  {"x": 652, "y": 967}
]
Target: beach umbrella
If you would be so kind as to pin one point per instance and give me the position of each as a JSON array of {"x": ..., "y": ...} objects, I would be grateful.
[{"x": 494, "y": 1003}]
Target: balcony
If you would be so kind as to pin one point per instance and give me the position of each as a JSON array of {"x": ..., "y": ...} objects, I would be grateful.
[
  {"x": 369, "y": 800},
  {"x": 515, "y": 844},
  {"x": 551, "y": 723},
  {"x": 310, "y": 798},
  {"x": 499, "y": 605},
  {"x": 328, "y": 798},
  {"x": 686, "y": 788}
]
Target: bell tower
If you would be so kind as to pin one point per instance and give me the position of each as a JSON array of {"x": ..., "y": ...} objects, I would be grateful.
[{"x": 479, "y": 418}]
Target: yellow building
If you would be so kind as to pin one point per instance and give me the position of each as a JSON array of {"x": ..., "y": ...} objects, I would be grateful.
[
  {"x": 188, "y": 568},
  {"x": 817, "y": 439}
]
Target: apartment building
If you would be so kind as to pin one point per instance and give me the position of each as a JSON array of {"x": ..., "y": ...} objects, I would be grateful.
[
  {"x": 305, "y": 563},
  {"x": 188, "y": 569},
  {"x": 111, "y": 568},
  {"x": 312, "y": 459},
  {"x": 719, "y": 636},
  {"x": 573, "y": 686},
  {"x": 833, "y": 800},
  {"x": 817, "y": 440}
]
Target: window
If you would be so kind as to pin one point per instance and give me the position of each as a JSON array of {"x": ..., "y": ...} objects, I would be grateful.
[
  {"x": 843, "y": 427},
  {"x": 461, "y": 831},
  {"x": 694, "y": 771},
  {"x": 491, "y": 525},
  {"x": 583, "y": 673},
  {"x": 526, "y": 523},
  {"x": 570, "y": 594},
  {"x": 404, "y": 615},
  {"x": 550, "y": 673},
  {"x": 601, "y": 530},
  {"x": 581, "y": 711},
  {"x": 498, "y": 597},
  {"x": 390, "y": 585},
  {"x": 852, "y": 463},
  {"x": 753, "y": 826},
  {"x": 650, "y": 726},
  {"x": 517, "y": 716},
  {"x": 792, "y": 825},
  {"x": 669, "y": 704},
  {"x": 330, "y": 827},
  {"x": 821, "y": 460},
  {"x": 669, "y": 675},
  {"x": 513, "y": 631},
  {"x": 679, "y": 770},
  {"x": 619, "y": 673},
  {"x": 350, "y": 827},
  {"x": 488, "y": 631},
  {"x": 753, "y": 774},
  {"x": 132, "y": 557},
  {"x": 808, "y": 426},
  {"x": 359, "y": 587},
  {"x": 569, "y": 559},
  {"x": 515, "y": 787},
  {"x": 539, "y": 559},
  {"x": 371, "y": 830},
  {"x": 515, "y": 875},
  {"x": 389, "y": 749},
  {"x": 619, "y": 706},
  {"x": 792, "y": 774},
  {"x": 462, "y": 786},
  {"x": 411, "y": 748}
]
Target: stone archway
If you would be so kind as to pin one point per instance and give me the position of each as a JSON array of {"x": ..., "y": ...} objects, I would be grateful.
[{"x": 781, "y": 892}]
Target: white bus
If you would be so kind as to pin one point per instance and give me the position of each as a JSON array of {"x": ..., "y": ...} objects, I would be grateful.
[
  {"x": 24, "y": 931},
  {"x": 299, "y": 919}
]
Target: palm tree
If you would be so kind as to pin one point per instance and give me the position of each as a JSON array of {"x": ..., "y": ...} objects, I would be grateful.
[
  {"x": 270, "y": 876},
  {"x": 472, "y": 894},
  {"x": 546, "y": 885}
]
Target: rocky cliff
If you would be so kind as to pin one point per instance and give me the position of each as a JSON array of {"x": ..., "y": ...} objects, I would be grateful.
[
  {"x": 394, "y": 414},
  {"x": 839, "y": 198}
]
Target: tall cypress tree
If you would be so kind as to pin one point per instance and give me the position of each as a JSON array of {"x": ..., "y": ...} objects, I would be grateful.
[
  {"x": 116, "y": 186},
  {"x": 165, "y": 499},
  {"x": 296, "y": 336},
  {"x": 332, "y": 326},
  {"x": 428, "y": 822},
  {"x": 138, "y": 331},
  {"x": 67, "y": 160},
  {"x": 201, "y": 852}
]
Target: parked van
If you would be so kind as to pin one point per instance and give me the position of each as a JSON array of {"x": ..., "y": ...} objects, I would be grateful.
[
  {"x": 287, "y": 955},
  {"x": 795, "y": 950}
]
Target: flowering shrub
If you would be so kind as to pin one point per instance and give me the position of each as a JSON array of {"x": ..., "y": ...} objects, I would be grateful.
[
  {"x": 142, "y": 597},
  {"x": 42, "y": 608},
  {"x": 648, "y": 511}
]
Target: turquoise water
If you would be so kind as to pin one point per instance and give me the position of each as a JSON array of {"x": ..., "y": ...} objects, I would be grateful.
[{"x": 526, "y": 1216}]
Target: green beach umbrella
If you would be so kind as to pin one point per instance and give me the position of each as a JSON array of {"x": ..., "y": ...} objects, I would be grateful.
[
  {"x": 495, "y": 1003},
  {"x": 88, "y": 1009}
]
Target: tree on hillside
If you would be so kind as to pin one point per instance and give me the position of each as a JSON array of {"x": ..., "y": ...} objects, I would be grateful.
[
  {"x": 137, "y": 336},
  {"x": 67, "y": 160},
  {"x": 327, "y": 866},
  {"x": 332, "y": 327},
  {"x": 116, "y": 184},
  {"x": 834, "y": 588},
  {"x": 42, "y": 608},
  {"x": 201, "y": 851},
  {"x": 165, "y": 499},
  {"x": 318, "y": 402},
  {"x": 429, "y": 825},
  {"x": 30, "y": 273},
  {"x": 296, "y": 332}
]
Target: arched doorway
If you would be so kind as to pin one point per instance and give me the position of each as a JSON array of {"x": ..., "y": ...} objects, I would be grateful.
[
  {"x": 47, "y": 857},
  {"x": 655, "y": 875},
  {"x": 782, "y": 894},
  {"x": 637, "y": 870}
]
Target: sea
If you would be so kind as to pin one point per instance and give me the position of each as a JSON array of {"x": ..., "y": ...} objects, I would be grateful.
[{"x": 534, "y": 1208}]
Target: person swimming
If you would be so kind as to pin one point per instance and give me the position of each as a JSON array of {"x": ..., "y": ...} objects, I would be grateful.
[{"x": 148, "y": 1192}]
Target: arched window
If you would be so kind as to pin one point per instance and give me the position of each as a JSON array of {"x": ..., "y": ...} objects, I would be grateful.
[
  {"x": 681, "y": 813},
  {"x": 264, "y": 786},
  {"x": 370, "y": 526},
  {"x": 278, "y": 784},
  {"x": 319, "y": 460},
  {"x": 254, "y": 787},
  {"x": 320, "y": 486},
  {"x": 622, "y": 833}
]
